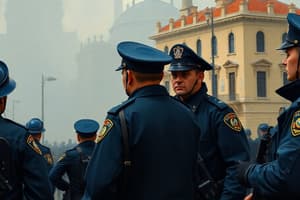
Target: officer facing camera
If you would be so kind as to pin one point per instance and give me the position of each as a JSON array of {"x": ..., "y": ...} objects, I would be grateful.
[
  {"x": 222, "y": 140},
  {"x": 147, "y": 146},
  {"x": 23, "y": 171}
]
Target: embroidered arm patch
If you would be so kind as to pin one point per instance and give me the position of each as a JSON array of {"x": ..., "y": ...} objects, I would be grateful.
[
  {"x": 295, "y": 126},
  {"x": 33, "y": 145},
  {"x": 233, "y": 122},
  {"x": 107, "y": 125}
]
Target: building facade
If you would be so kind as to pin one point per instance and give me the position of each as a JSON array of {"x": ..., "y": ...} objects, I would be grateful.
[{"x": 247, "y": 66}]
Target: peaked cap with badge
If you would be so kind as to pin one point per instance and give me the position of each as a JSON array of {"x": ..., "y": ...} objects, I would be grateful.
[
  {"x": 184, "y": 59},
  {"x": 142, "y": 58},
  {"x": 7, "y": 85},
  {"x": 293, "y": 35},
  {"x": 86, "y": 127}
]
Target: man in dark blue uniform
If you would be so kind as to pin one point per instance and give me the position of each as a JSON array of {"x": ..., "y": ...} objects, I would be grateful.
[
  {"x": 73, "y": 163},
  {"x": 35, "y": 127},
  {"x": 27, "y": 172},
  {"x": 162, "y": 142},
  {"x": 223, "y": 141},
  {"x": 279, "y": 178}
]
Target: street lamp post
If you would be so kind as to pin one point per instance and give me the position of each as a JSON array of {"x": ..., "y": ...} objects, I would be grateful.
[
  {"x": 44, "y": 79},
  {"x": 209, "y": 15}
]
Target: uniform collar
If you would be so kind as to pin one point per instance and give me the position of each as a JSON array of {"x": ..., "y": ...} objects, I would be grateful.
[
  {"x": 151, "y": 90},
  {"x": 290, "y": 91}
]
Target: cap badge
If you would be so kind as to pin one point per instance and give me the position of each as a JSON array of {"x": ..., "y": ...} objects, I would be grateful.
[{"x": 178, "y": 51}]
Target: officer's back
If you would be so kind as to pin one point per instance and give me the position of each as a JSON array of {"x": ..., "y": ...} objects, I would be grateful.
[
  {"x": 35, "y": 127},
  {"x": 25, "y": 171},
  {"x": 74, "y": 161},
  {"x": 162, "y": 136}
]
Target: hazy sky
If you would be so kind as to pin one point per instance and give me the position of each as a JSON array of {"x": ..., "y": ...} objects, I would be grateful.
[{"x": 88, "y": 18}]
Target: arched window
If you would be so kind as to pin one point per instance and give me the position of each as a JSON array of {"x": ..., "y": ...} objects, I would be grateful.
[
  {"x": 283, "y": 37},
  {"x": 166, "y": 50},
  {"x": 231, "y": 42},
  {"x": 260, "y": 42},
  {"x": 215, "y": 46},
  {"x": 199, "y": 48}
]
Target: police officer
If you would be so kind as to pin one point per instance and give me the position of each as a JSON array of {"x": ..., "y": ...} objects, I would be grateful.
[
  {"x": 35, "y": 127},
  {"x": 162, "y": 140},
  {"x": 279, "y": 178},
  {"x": 262, "y": 129},
  {"x": 223, "y": 141},
  {"x": 74, "y": 161},
  {"x": 27, "y": 172}
]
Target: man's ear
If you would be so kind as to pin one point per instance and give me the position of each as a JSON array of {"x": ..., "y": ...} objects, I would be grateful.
[
  {"x": 3, "y": 100},
  {"x": 2, "y": 104},
  {"x": 130, "y": 77}
]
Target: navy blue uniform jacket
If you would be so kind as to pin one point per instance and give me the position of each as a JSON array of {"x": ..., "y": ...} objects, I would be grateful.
[
  {"x": 279, "y": 178},
  {"x": 163, "y": 143},
  {"x": 70, "y": 164},
  {"x": 223, "y": 142},
  {"x": 28, "y": 171}
]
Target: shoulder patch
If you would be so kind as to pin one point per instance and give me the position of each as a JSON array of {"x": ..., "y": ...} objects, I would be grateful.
[
  {"x": 61, "y": 157},
  {"x": 48, "y": 158},
  {"x": 115, "y": 110},
  {"x": 217, "y": 102},
  {"x": 33, "y": 145},
  {"x": 107, "y": 125},
  {"x": 233, "y": 122},
  {"x": 295, "y": 126}
]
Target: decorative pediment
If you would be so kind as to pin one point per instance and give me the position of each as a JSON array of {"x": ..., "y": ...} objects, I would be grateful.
[
  {"x": 230, "y": 64},
  {"x": 262, "y": 63}
]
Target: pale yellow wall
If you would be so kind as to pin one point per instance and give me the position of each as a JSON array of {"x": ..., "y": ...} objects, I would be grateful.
[{"x": 250, "y": 109}]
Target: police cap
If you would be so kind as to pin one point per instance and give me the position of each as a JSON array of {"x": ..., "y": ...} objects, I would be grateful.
[
  {"x": 293, "y": 35},
  {"x": 86, "y": 127},
  {"x": 7, "y": 85},
  {"x": 35, "y": 126},
  {"x": 263, "y": 127},
  {"x": 142, "y": 58},
  {"x": 185, "y": 59}
]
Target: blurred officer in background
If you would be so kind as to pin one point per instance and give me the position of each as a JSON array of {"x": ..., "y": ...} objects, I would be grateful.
[
  {"x": 223, "y": 141},
  {"x": 252, "y": 144},
  {"x": 261, "y": 130},
  {"x": 24, "y": 171},
  {"x": 35, "y": 127},
  {"x": 162, "y": 141},
  {"x": 74, "y": 161},
  {"x": 279, "y": 178}
]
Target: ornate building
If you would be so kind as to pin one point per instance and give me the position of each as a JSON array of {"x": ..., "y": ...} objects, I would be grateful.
[{"x": 248, "y": 69}]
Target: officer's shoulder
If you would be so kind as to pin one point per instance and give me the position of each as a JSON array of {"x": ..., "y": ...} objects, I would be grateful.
[
  {"x": 71, "y": 152},
  {"x": 221, "y": 105},
  {"x": 115, "y": 110},
  {"x": 16, "y": 125}
]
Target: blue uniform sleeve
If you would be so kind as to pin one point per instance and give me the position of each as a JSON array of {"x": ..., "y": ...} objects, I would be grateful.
[
  {"x": 234, "y": 147},
  {"x": 281, "y": 175},
  {"x": 36, "y": 182},
  {"x": 57, "y": 172},
  {"x": 106, "y": 162}
]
